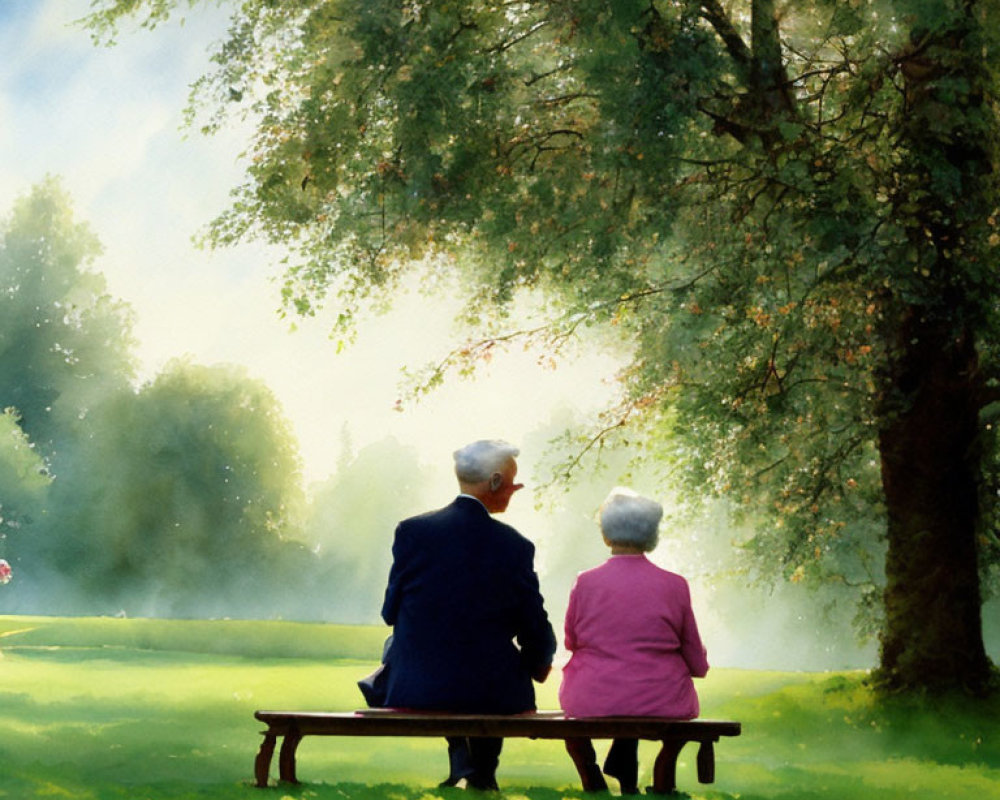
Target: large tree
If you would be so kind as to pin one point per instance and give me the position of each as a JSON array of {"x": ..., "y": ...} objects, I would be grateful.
[{"x": 791, "y": 206}]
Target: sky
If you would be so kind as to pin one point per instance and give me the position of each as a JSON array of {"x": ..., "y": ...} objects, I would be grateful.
[{"x": 108, "y": 122}]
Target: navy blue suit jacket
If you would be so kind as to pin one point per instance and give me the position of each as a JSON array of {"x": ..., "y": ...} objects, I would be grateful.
[{"x": 469, "y": 625}]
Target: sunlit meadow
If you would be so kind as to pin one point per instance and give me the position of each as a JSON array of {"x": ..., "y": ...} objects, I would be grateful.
[{"x": 144, "y": 709}]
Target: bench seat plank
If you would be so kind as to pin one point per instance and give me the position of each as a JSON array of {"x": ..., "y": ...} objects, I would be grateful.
[{"x": 538, "y": 725}]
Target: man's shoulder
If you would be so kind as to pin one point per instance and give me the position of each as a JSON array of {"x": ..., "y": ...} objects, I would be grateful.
[
  {"x": 460, "y": 511},
  {"x": 464, "y": 511},
  {"x": 430, "y": 514},
  {"x": 512, "y": 534}
]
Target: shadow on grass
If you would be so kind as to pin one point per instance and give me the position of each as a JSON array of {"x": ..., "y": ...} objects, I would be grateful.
[
  {"x": 955, "y": 730},
  {"x": 839, "y": 719}
]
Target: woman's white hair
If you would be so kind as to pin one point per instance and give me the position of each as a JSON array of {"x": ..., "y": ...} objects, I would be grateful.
[
  {"x": 479, "y": 461},
  {"x": 630, "y": 519}
]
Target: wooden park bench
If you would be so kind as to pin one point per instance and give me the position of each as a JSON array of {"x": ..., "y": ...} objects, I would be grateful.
[{"x": 672, "y": 733}]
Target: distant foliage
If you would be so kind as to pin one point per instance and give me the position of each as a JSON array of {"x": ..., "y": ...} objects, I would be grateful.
[
  {"x": 196, "y": 482},
  {"x": 180, "y": 497},
  {"x": 350, "y": 522},
  {"x": 23, "y": 480}
]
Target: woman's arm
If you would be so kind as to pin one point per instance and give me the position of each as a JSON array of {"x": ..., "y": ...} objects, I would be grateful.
[{"x": 692, "y": 649}]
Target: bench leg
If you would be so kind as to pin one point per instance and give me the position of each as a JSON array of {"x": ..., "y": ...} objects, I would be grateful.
[
  {"x": 262, "y": 764},
  {"x": 706, "y": 762},
  {"x": 286, "y": 758},
  {"x": 665, "y": 766}
]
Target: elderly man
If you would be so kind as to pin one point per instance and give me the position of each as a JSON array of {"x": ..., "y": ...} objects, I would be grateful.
[{"x": 462, "y": 590}]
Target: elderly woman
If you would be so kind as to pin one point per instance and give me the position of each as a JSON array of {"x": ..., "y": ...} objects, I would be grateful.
[{"x": 633, "y": 638}]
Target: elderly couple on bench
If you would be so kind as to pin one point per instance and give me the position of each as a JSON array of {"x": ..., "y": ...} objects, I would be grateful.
[{"x": 463, "y": 590}]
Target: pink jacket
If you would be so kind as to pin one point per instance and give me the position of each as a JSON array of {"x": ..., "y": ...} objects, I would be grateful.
[{"x": 634, "y": 643}]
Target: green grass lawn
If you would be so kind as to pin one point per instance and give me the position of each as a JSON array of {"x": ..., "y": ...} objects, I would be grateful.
[{"x": 151, "y": 709}]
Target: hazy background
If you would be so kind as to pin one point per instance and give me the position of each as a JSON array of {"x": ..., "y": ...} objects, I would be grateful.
[{"x": 108, "y": 121}]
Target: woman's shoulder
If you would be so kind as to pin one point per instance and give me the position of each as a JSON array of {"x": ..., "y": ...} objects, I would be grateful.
[
  {"x": 673, "y": 578},
  {"x": 658, "y": 578},
  {"x": 630, "y": 567},
  {"x": 642, "y": 563},
  {"x": 666, "y": 573}
]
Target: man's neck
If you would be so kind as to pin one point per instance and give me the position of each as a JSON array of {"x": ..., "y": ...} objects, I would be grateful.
[{"x": 473, "y": 497}]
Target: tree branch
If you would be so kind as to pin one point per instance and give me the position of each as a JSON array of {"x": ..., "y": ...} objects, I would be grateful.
[
  {"x": 715, "y": 15},
  {"x": 504, "y": 46}
]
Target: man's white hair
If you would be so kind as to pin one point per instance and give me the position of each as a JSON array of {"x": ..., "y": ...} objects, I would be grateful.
[
  {"x": 479, "y": 461},
  {"x": 630, "y": 519}
]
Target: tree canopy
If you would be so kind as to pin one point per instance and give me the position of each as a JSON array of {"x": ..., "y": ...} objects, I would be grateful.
[{"x": 791, "y": 207}]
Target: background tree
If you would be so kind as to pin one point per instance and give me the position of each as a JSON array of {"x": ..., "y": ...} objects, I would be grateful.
[
  {"x": 23, "y": 484},
  {"x": 350, "y": 522},
  {"x": 64, "y": 341},
  {"x": 178, "y": 503},
  {"x": 791, "y": 206}
]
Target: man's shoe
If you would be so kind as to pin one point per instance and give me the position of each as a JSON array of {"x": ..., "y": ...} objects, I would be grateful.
[{"x": 483, "y": 783}]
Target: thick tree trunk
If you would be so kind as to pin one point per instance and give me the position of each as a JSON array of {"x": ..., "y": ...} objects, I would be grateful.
[
  {"x": 930, "y": 467},
  {"x": 932, "y": 388}
]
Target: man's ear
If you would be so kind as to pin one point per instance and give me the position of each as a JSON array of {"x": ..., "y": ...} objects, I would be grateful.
[{"x": 496, "y": 481}]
